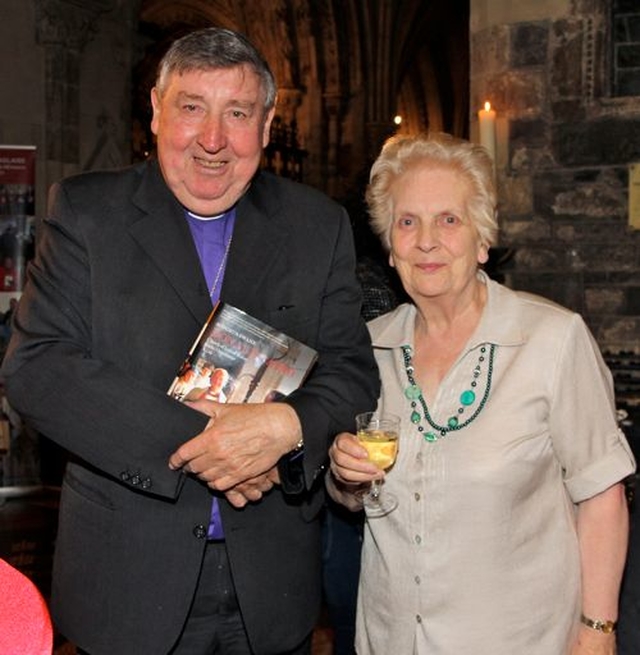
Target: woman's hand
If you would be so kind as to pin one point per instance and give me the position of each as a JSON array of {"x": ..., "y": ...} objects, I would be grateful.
[
  {"x": 350, "y": 463},
  {"x": 603, "y": 531},
  {"x": 593, "y": 642},
  {"x": 350, "y": 472}
]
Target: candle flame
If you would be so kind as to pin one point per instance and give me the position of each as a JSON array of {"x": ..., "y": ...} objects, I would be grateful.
[{"x": 487, "y": 106}]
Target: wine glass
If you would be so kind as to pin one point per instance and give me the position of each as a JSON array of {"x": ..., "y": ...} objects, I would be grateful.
[{"x": 379, "y": 433}]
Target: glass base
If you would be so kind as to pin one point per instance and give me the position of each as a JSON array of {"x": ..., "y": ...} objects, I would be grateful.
[{"x": 379, "y": 504}]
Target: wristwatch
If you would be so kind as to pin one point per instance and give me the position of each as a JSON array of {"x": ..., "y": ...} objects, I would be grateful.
[
  {"x": 596, "y": 624},
  {"x": 291, "y": 470}
]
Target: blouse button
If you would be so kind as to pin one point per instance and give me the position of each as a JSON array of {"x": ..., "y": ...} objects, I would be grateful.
[
  {"x": 416, "y": 496},
  {"x": 418, "y": 618},
  {"x": 418, "y": 539}
]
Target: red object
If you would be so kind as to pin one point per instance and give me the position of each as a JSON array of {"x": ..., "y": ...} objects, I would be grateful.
[{"x": 25, "y": 623}]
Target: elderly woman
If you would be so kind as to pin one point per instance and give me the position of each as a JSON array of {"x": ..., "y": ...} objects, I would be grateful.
[{"x": 511, "y": 529}]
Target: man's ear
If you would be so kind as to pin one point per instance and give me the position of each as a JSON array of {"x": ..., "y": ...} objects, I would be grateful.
[
  {"x": 266, "y": 130},
  {"x": 155, "y": 104}
]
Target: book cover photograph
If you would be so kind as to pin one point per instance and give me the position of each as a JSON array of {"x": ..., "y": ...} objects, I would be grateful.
[{"x": 237, "y": 358}]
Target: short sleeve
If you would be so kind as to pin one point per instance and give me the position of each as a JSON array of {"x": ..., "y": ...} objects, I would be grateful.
[{"x": 591, "y": 448}]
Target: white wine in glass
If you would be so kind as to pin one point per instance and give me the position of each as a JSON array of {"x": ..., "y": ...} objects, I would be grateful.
[{"x": 379, "y": 434}]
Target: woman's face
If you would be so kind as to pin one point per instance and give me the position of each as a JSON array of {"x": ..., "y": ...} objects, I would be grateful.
[{"x": 435, "y": 246}]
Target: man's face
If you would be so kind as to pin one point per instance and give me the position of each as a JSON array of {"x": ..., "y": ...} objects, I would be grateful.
[{"x": 211, "y": 128}]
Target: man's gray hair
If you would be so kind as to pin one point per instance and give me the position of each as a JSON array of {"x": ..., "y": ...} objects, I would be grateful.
[{"x": 211, "y": 48}]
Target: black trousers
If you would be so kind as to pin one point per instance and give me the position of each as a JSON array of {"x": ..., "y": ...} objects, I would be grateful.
[{"x": 214, "y": 625}]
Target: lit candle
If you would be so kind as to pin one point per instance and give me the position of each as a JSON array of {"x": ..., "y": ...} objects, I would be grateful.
[{"x": 487, "y": 120}]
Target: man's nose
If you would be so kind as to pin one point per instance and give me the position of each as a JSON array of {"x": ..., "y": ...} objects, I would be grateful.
[{"x": 212, "y": 135}]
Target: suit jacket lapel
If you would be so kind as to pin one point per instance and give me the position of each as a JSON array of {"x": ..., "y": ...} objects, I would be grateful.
[
  {"x": 163, "y": 233},
  {"x": 258, "y": 236}
]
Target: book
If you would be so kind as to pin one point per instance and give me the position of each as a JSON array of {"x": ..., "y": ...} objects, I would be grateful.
[{"x": 238, "y": 358}]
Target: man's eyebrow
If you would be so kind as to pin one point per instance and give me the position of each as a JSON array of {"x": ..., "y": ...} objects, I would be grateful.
[
  {"x": 185, "y": 95},
  {"x": 235, "y": 102}
]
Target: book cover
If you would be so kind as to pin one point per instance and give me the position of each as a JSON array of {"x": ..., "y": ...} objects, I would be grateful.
[{"x": 237, "y": 358}]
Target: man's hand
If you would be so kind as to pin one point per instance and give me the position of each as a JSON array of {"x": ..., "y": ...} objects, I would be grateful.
[
  {"x": 252, "y": 490},
  {"x": 242, "y": 443}
]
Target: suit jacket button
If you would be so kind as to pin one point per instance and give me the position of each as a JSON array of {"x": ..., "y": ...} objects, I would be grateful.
[
  {"x": 125, "y": 475},
  {"x": 135, "y": 480},
  {"x": 146, "y": 483},
  {"x": 200, "y": 531}
]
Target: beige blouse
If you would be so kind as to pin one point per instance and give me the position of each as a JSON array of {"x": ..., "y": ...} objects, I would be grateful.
[{"x": 481, "y": 555}]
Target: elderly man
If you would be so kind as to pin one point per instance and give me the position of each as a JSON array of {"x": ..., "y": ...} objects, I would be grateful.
[{"x": 189, "y": 528}]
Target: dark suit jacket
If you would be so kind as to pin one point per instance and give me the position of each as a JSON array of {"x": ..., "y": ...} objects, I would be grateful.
[{"x": 114, "y": 299}]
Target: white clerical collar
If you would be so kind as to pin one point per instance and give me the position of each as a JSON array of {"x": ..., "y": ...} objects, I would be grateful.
[{"x": 198, "y": 217}]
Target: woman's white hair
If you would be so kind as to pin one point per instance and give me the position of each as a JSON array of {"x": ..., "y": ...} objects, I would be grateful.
[{"x": 401, "y": 153}]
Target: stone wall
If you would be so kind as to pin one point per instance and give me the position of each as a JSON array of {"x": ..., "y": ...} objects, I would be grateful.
[{"x": 564, "y": 148}]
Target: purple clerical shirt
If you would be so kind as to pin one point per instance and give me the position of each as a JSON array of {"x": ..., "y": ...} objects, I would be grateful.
[{"x": 212, "y": 236}]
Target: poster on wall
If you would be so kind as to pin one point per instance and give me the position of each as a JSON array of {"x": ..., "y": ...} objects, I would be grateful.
[
  {"x": 17, "y": 213},
  {"x": 19, "y": 457}
]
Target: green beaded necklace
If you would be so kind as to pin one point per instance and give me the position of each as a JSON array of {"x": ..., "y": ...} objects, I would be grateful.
[{"x": 467, "y": 397}]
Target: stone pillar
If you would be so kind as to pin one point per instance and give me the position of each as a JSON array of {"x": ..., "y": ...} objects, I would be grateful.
[
  {"x": 332, "y": 106},
  {"x": 64, "y": 27},
  {"x": 87, "y": 48}
]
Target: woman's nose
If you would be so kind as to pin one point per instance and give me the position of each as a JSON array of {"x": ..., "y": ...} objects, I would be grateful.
[{"x": 427, "y": 235}]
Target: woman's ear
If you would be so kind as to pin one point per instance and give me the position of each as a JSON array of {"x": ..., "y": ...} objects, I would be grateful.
[{"x": 483, "y": 253}]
